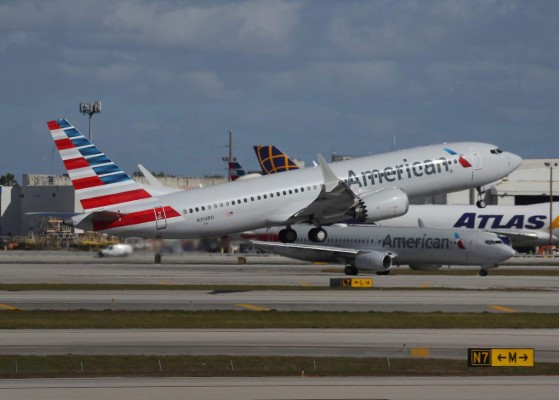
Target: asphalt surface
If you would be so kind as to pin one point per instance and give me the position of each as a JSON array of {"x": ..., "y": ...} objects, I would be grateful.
[
  {"x": 442, "y": 343},
  {"x": 288, "y": 388},
  {"x": 64, "y": 267},
  {"x": 335, "y": 300}
]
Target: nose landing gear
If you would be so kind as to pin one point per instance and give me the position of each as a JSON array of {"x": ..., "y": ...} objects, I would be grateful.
[{"x": 481, "y": 203}]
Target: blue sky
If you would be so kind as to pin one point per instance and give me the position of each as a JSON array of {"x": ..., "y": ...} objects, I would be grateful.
[{"x": 308, "y": 76}]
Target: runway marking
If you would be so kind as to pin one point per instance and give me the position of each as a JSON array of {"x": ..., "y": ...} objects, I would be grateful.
[
  {"x": 253, "y": 307},
  {"x": 504, "y": 309},
  {"x": 8, "y": 307}
]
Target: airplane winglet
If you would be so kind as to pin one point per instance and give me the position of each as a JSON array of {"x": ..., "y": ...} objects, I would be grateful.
[
  {"x": 152, "y": 180},
  {"x": 330, "y": 178}
]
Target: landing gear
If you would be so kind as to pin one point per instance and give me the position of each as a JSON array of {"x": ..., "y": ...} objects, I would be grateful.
[
  {"x": 317, "y": 235},
  {"x": 482, "y": 272},
  {"x": 351, "y": 270},
  {"x": 287, "y": 235},
  {"x": 481, "y": 203},
  {"x": 383, "y": 272}
]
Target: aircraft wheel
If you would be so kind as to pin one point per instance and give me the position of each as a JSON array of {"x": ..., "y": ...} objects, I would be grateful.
[
  {"x": 481, "y": 203},
  {"x": 317, "y": 235},
  {"x": 287, "y": 235},
  {"x": 383, "y": 272},
  {"x": 351, "y": 270},
  {"x": 482, "y": 272}
]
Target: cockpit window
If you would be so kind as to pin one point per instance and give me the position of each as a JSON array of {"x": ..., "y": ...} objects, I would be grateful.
[
  {"x": 496, "y": 151},
  {"x": 490, "y": 242}
]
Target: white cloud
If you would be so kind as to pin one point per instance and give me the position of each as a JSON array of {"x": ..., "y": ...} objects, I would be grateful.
[
  {"x": 249, "y": 26},
  {"x": 204, "y": 83}
]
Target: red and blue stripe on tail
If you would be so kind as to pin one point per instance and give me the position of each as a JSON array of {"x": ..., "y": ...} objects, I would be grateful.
[{"x": 98, "y": 181}]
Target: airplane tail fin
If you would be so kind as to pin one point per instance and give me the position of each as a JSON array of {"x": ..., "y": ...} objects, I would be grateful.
[
  {"x": 235, "y": 170},
  {"x": 98, "y": 181},
  {"x": 273, "y": 160}
]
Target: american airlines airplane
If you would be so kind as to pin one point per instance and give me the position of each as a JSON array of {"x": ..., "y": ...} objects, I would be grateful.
[
  {"x": 525, "y": 226},
  {"x": 369, "y": 188},
  {"x": 366, "y": 248}
]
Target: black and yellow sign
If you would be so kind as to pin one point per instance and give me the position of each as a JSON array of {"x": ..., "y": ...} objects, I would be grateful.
[
  {"x": 357, "y": 282},
  {"x": 501, "y": 357}
]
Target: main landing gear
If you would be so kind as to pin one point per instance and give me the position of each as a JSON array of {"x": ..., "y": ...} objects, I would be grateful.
[
  {"x": 482, "y": 272},
  {"x": 351, "y": 270},
  {"x": 289, "y": 235},
  {"x": 481, "y": 203}
]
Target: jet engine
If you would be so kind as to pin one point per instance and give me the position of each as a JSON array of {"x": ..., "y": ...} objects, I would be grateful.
[
  {"x": 425, "y": 267},
  {"x": 384, "y": 204},
  {"x": 373, "y": 261}
]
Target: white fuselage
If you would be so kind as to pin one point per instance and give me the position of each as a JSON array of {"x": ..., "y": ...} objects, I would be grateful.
[
  {"x": 272, "y": 200},
  {"x": 410, "y": 245},
  {"x": 531, "y": 219}
]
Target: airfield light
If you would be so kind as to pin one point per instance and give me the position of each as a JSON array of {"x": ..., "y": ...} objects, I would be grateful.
[
  {"x": 90, "y": 109},
  {"x": 550, "y": 165}
]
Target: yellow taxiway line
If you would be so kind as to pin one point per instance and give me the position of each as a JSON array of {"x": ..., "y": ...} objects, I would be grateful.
[
  {"x": 253, "y": 307},
  {"x": 504, "y": 309},
  {"x": 8, "y": 307}
]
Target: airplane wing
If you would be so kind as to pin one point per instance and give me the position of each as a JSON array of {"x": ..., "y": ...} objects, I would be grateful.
[
  {"x": 307, "y": 251},
  {"x": 334, "y": 202},
  {"x": 524, "y": 234},
  {"x": 366, "y": 260}
]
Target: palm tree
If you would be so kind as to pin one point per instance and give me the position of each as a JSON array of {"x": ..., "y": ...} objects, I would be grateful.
[{"x": 8, "y": 180}]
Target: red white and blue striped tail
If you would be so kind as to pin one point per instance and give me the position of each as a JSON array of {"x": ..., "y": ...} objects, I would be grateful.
[{"x": 99, "y": 182}]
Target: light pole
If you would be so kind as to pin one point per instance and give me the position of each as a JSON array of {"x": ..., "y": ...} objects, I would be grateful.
[
  {"x": 90, "y": 109},
  {"x": 550, "y": 165}
]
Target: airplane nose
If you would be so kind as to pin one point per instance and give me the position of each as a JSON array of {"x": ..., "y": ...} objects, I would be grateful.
[
  {"x": 514, "y": 160},
  {"x": 507, "y": 252}
]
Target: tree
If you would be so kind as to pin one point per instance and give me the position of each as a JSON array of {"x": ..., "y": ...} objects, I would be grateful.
[{"x": 8, "y": 180}]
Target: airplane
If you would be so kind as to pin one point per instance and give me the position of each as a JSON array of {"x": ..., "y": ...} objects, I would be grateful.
[
  {"x": 526, "y": 226},
  {"x": 369, "y": 248},
  {"x": 369, "y": 188}
]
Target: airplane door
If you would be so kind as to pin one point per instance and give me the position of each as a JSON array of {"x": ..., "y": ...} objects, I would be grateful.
[
  {"x": 470, "y": 246},
  {"x": 476, "y": 158},
  {"x": 160, "y": 218}
]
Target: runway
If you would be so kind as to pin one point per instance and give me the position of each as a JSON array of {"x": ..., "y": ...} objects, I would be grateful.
[
  {"x": 272, "y": 271},
  {"x": 323, "y": 300},
  {"x": 395, "y": 343},
  {"x": 288, "y": 388}
]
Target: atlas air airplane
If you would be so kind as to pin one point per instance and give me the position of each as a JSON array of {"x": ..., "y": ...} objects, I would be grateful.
[
  {"x": 369, "y": 188},
  {"x": 367, "y": 248},
  {"x": 525, "y": 226}
]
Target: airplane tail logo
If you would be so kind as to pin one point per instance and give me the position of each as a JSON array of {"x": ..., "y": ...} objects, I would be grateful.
[
  {"x": 235, "y": 170},
  {"x": 273, "y": 160},
  {"x": 459, "y": 242},
  {"x": 463, "y": 162},
  {"x": 98, "y": 181}
]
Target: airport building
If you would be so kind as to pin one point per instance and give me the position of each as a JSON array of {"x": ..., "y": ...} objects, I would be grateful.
[{"x": 529, "y": 184}]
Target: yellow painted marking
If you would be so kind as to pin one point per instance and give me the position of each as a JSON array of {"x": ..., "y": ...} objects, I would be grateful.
[
  {"x": 166, "y": 283},
  {"x": 424, "y": 286},
  {"x": 8, "y": 307},
  {"x": 253, "y": 307},
  {"x": 422, "y": 352},
  {"x": 504, "y": 309},
  {"x": 306, "y": 284}
]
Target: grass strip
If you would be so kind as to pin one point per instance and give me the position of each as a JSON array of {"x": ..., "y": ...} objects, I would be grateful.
[
  {"x": 89, "y": 319},
  {"x": 239, "y": 366}
]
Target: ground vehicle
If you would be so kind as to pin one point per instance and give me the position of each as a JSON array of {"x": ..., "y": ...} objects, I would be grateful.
[{"x": 116, "y": 250}]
